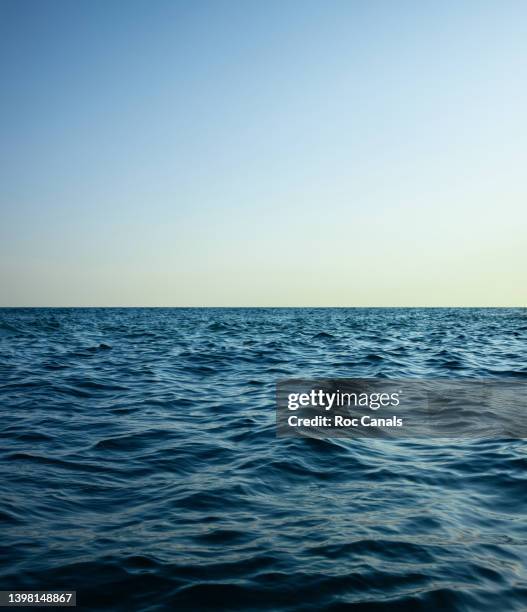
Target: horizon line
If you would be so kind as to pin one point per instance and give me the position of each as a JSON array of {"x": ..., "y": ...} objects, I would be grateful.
[{"x": 261, "y": 307}]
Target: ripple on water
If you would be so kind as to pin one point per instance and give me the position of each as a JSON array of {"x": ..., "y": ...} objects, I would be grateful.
[{"x": 139, "y": 463}]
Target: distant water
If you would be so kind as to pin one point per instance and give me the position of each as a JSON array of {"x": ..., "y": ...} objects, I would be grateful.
[{"x": 139, "y": 463}]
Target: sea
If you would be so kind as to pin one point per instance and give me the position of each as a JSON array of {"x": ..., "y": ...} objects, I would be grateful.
[{"x": 140, "y": 466}]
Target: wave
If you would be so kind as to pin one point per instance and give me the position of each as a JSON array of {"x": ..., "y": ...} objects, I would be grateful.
[{"x": 140, "y": 465}]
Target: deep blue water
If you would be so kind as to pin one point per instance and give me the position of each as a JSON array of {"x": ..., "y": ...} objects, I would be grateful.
[{"x": 139, "y": 463}]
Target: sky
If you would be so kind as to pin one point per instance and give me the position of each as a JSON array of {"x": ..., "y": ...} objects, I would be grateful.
[{"x": 277, "y": 153}]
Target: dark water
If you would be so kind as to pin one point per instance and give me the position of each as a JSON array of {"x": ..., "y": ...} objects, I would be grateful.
[{"x": 139, "y": 463}]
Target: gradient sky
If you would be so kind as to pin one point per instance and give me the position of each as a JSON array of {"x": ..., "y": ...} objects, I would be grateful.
[{"x": 263, "y": 153}]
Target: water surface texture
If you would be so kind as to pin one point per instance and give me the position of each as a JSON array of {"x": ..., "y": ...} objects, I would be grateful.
[{"x": 139, "y": 463}]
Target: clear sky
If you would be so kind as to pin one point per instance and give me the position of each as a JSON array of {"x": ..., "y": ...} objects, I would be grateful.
[{"x": 263, "y": 153}]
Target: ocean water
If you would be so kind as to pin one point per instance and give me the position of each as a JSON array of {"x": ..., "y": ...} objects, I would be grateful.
[{"x": 139, "y": 463}]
